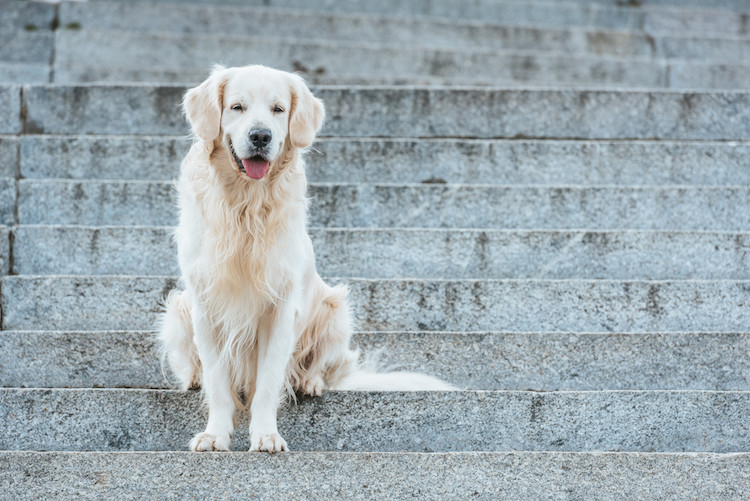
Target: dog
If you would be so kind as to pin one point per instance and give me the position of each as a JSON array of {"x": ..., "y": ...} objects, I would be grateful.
[{"x": 254, "y": 319}]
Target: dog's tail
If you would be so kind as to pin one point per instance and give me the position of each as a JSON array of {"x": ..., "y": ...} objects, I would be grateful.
[
  {"x": 371, "y": 375},
  {"x": 176, "y": 340}
]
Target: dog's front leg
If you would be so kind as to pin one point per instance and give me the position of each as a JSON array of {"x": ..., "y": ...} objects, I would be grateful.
[
  {"x": 275, "y": 350},
  {"x": 216, "y": 387}
]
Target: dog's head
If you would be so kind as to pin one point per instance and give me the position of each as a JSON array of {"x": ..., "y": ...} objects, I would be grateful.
[{"x": 253, "y": 113}]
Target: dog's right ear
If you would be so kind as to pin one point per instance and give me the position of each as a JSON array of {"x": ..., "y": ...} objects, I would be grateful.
[{"x": 202, "y": 105}]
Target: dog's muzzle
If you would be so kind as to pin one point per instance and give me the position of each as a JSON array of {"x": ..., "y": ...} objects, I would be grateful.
[{"x": 254, "y": 166}]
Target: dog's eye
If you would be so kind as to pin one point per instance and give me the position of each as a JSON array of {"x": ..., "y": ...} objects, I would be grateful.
[
  {"x": 237, "y": 107},
  {"x": 278, "y": 109}
]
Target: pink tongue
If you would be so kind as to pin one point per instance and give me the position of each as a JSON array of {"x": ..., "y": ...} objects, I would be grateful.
[{"x": 255, "y": 169}]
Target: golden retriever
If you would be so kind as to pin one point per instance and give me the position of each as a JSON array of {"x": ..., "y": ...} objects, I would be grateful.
[{"x": 255, "y": 319}]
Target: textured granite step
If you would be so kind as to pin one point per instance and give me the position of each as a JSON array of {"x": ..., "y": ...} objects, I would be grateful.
[
  {"x": 454, "y": 421},
  {"x": 133, "y": 303},
  {"x": 364, "y": 476},
  {"x": 135, "y": 49},
  {"x": 391, "y": 111},
  {"x": 418, "y": 253},
  {"x": 478, "y": 9},
  {"x": 404, "y": 160},
  {"x": 331, "y": 64},
  {"x": 471, "y": 360},
  {"x": 417, "y": 205},
  {"x": 329, "y": 19}
]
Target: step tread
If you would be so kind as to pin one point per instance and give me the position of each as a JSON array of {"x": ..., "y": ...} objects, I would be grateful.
[
  {"x": 643, "y": 421},
  {"x": 389, "y": 111},
  {"x": 125, "y": 202},
  {"x": 472, "y": 360},
  {"x": 417, "y": 253},
  {"x": 109, "y": 302},
  {"x": 406, "y": 160},
  {"x": 355, "y": 476}
]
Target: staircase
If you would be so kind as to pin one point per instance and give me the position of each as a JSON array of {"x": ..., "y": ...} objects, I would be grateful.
[{"x": 545, "y": 203}]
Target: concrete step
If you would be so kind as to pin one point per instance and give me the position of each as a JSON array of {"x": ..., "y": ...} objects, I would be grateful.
[
  {"x": 391, "y": 111},
  {"x": 478, "y": 9},
  {"x": 89, "y": 56},
  {"x": 330, "y": 19},
  {"x": 364, "y": 476},
  {"x": 337, "y": 160},
  {"x": 516, "y": 70},
  {"x": 19, "y": 45},
  {"x": 725, "y": 208},
  {"x": 473, "y": 360},
  {"x": 29, "y": 16},
  {"x": 133, "y": 303},
  {"x": 417, "y": 253},
  {"x": 25, "y": 73},
  {"x": 454, "y": 421},
  {"x": 10, "y": 109},
  {"x": 95, "y": 47},
  {"x": 328, "y": 64}
]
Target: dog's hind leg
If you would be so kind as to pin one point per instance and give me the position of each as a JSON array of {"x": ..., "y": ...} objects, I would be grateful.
[
  {"x": 176, "y": 339},
  {"x": 323, "y": 356}
]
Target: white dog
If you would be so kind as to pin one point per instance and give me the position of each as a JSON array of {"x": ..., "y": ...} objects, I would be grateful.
[{"x": 255, "y": 318}]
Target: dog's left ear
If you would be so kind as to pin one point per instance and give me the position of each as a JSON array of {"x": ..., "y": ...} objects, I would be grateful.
[
  {"x": 306, "y": 116},
  {"x": 202, "y": 105}
]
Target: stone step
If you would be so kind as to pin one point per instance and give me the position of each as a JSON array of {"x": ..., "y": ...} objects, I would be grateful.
[
  {"x": 133, "y": 303},
  {"x": 411, "y": 112},
  {"x": 453, "y": 421},
  {"x": 167, "y": 26},
  {"x": 329, "y": 19},
  {"x": 364, "y": 476},
  {"x": 25, "y": 73},
  {"x": 478, "y": 9},
  {"x": 10, "y": 109},
  {"x": 725, "y": 208},
  {"x": 89, "y": 56},
  {"x": 417, "y": 253},
  {"x": 472, "y": 360},
  {"x": 18, "y": 45},
  {"x": 28, "y": 16},
  {"x": 405, "y": 160}
]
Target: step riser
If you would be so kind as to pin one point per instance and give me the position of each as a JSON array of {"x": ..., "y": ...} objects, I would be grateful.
[
  {"x": 453, "y": 254},
  {"x": 392, "y": 421},
  {"x": 422, "y": 46},
  {"x": 132, "y": 303},
  {"x": 389, "y": 112},
  {"x": 405, "y": 161},
  {"x": 349, "y": 476},
  {"x": 415, "y": 206},
  {"x": 485, "y": 361},
  {"x": 218, "y": 20}
]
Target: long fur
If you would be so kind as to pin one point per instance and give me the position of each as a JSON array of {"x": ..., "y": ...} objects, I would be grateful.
[{"x": 247, "y": 264}]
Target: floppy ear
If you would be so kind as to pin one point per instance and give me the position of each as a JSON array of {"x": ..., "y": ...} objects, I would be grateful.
[
  {"x": 306, "y": 116},
  {"x": 202, "y": 105}
]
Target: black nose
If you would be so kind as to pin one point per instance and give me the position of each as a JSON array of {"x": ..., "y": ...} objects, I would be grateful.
[{"x": 260, "y": 137}]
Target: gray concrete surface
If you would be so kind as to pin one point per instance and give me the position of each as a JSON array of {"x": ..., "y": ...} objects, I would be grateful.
[
  {"x": 425, "y": 160},
  {"x": 416, "y": 205},
  {"x": 364, "y": 476},
  {"x": 388, "y": 111},
  {"x": 418, "y": 253},
  {"x": 454, "y": 421},
  {"x": 10, "y": 109},
  {"x": 125, "y": 303},
  {"x": 472, "y": 360}
]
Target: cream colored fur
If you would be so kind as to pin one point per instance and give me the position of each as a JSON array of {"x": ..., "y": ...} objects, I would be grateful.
[{"x": 254, "y": 318}]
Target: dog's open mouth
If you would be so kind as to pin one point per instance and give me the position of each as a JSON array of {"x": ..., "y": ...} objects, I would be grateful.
[{"x": 255, "y": 166}]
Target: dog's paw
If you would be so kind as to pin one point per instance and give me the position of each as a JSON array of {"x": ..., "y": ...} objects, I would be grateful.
[
  {"x": 267, "y": 442},
  {"x": 313, "y": 386},
  {"x": 203, "y": 442}
]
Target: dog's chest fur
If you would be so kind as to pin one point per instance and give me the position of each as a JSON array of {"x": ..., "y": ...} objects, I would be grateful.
[{"x": 245, "y": 239}]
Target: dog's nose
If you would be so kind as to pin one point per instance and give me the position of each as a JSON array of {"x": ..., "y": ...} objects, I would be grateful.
[{"x": 260, "y": 137}]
